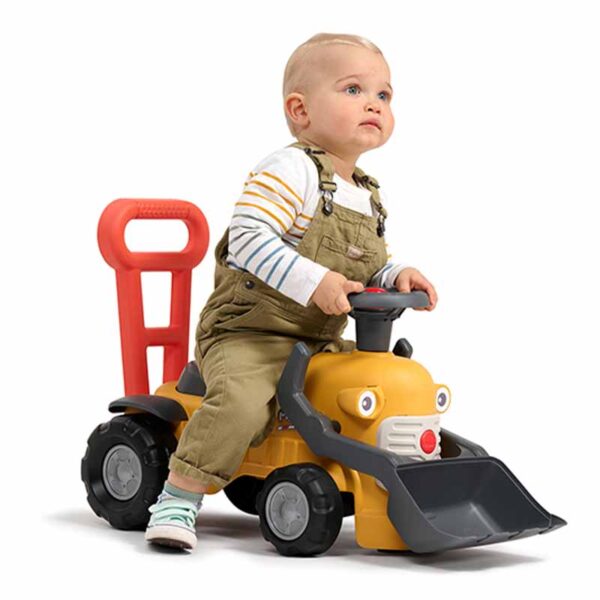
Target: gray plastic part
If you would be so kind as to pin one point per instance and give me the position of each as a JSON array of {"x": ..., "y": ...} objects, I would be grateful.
[
  {"x": 375, "y": 312},
  {"x": 403, "y": 348},
  {"x": 434, "y": 505},
  {"x": 392, "y": 302},
  {"x": 190, "y": 380},
  {"x": 164, "y": 408}
]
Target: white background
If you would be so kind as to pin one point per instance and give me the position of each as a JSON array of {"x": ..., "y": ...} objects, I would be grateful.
[{"x": 491, "y": 175}]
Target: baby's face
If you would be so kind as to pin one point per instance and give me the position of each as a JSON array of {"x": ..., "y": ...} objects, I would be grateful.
[{"x": 351, "y": 86}]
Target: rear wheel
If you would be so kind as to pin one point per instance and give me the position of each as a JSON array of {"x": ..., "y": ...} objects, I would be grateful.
[
  {"x": 300, "y": 509},
  {"x": 125, "y": 467}
]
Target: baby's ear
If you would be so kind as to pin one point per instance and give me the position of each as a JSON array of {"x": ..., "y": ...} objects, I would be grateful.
[{"x": 295, "y": 108}]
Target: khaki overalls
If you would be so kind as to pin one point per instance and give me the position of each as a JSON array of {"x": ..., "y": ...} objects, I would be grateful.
[{"x": 247, "y": 331}]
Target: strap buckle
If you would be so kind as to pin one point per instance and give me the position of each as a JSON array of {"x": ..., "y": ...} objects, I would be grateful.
[
  {"x": 380, "y": 225},
  {"x": 327, "y": 188}
]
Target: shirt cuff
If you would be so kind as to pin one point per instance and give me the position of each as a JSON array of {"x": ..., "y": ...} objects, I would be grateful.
[{"x": 390, "y": 276}]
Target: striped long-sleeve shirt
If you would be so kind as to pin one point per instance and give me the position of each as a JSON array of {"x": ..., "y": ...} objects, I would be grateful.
[{"x": 275, "y": 209}]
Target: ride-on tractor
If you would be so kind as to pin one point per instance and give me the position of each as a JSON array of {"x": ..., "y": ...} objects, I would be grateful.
[{"x": 358, "y": 432}]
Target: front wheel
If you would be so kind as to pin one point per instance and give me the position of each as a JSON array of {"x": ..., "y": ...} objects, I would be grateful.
[
  {"x": 300, "y": 510},
  {"x": 125, "y": 467}
]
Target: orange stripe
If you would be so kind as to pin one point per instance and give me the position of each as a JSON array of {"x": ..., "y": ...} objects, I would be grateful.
[
  {"x": 272, "y": 202},
  {"x": 263, "y": 209},
  {"x": 286, "y": 186},
  {"x": 300, "y": 228},
  {"x": 268, "y": 187},
  {"x": 305, "y": 217}
]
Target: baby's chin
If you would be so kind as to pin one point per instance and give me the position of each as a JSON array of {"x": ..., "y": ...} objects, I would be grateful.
[{"x": 364, "y": 144}]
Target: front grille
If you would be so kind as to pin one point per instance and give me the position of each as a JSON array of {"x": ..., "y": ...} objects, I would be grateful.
[{"x": 402, "y": 435}]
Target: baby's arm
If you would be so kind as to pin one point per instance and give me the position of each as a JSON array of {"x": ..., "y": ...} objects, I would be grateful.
[
  {"x": 268, "y": 207},
  {"x": 411, "y": 279}
]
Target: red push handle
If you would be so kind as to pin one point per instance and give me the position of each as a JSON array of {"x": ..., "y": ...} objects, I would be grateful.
[
  {"x": 111, "y": 234},
  {"x": 128, "y": 265}
]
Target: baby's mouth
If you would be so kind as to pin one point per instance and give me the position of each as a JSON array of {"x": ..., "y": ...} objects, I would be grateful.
[{"x": 370, "y": 124}]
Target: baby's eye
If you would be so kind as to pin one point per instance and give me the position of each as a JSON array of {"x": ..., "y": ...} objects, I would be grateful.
[
  {"x": 386, "y": 95},
  {"x": 352, "y": 87}
]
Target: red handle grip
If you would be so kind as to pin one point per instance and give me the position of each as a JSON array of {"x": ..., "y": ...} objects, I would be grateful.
[{"x": 111, "y": 234}]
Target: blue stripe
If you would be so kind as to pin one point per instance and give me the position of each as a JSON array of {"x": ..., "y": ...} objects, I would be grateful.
[
  {"x": 258, "y": 250},
  {"x": 246, "y": 230},
  {"x": 264, "y": 260},
  {"x": 273, "y": 269},
  {"x": 287, "y": 271},
  {"x": 237, "y": 252}
]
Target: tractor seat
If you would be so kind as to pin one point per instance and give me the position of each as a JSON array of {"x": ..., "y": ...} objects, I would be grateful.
[{"x": 190, "y": 380}]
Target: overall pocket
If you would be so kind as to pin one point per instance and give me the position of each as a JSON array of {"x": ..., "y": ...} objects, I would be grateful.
[{"x": 353, "y": 262}]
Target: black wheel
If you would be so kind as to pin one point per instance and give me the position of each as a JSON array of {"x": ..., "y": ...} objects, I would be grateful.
[
  {"x": 300, "y": 510},
  {"x": 125, "y": 467},
  {"x": 242, "y": 493}
]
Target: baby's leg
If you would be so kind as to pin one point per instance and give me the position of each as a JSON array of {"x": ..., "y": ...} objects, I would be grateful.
[
  {"x": 241, "y": 372},
  {"x": 187, "y": 483}
]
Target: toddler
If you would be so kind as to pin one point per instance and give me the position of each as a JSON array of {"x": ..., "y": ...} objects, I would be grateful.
[{"x": 307, "y": 230}]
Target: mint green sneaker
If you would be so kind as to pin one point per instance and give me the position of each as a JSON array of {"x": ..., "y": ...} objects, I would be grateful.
[{"x": 173, "y": 523}]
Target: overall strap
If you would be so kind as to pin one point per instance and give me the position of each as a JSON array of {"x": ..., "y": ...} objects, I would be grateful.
[
  {"x": 371, "y": 184},
  {"x": 327, "y": 186},
  {"x": 325, "y": 171}
]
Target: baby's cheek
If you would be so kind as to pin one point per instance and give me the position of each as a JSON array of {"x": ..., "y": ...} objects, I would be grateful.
[{"x": 340, "y": 119}]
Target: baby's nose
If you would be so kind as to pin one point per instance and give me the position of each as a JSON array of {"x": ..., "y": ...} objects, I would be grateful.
[{"x": 374, "y": 105}]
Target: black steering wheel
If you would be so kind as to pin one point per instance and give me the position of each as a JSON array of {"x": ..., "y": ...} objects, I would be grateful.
[
  {"x": 374, "y": 310},
  {"x": 386, "y": 300}
]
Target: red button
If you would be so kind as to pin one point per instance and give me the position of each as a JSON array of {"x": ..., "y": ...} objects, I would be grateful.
[
  {"x": 428, "y": 441},
  {"x": 375, "y": 290}
]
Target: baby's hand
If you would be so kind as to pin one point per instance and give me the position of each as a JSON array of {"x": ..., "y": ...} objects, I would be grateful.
[
  {"x": 410, "y": 279},
  {"x": 331, "y": 295}
]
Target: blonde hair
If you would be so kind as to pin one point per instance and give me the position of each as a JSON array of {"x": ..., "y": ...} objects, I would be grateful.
[{"x": 296, "y": 76}]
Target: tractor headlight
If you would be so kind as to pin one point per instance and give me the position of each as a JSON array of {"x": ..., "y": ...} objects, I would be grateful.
[
  {"x": 367, "y": 403},
  {"x": 442, "y": 399},
  {"x": 364, "y": 403}
]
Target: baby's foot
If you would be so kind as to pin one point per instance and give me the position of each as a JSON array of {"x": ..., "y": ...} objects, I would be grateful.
[{"x": 172, "y": 523}]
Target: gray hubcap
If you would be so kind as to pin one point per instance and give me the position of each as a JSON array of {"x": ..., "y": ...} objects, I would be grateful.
[
  {"x": 122, "y": 472},
  {"x": 286, "y": 510}
]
